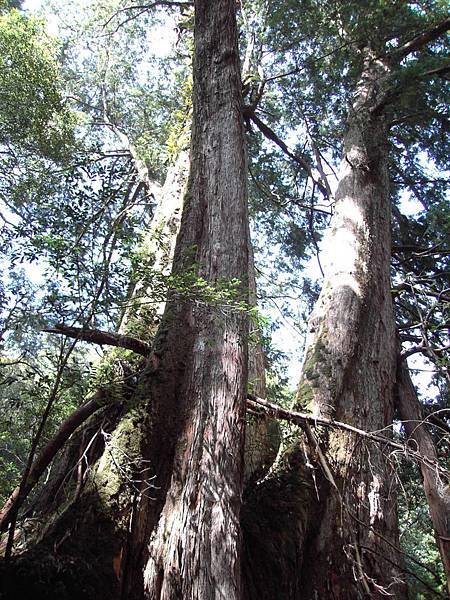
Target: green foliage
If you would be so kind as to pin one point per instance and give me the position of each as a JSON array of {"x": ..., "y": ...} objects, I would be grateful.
[
  {"x": 33, "y": 115},
  {"x": 8, "y": 4},
  {"x": 119, "y": 79},
  {"x": 425, "y": 573},
  {"x": 73, "y": 209},
  {"x": 224, "y": 294},
  {"x": 26, "y": 383},
  {"x": 179, "y": 132}
]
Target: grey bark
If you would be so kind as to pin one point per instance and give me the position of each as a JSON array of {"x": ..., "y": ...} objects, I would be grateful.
[
  {"x": 144, "y": 311},
  {"x": 341, "y": 538},
  {"x": 350, "y": 367},
  {"x": 263, "y": 433}
]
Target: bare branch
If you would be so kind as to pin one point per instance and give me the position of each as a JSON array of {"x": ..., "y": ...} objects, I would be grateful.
[
  {"x": 278, "y": 412},
  {"x": 46, "y": 456},
  {"x": 106, "y": 338},
  {"x": 425, "y": 349},
  {"x": 271, "y": 135},
  {"x": 143, "y": 8},
  {"x": 323, "y": 209}
]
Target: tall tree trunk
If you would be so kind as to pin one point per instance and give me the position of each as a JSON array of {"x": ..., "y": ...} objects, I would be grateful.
[
  {"x": 197, "y": 383},
  {"x": 350, "y": 367},
  {"x": 343, "y": 542}
]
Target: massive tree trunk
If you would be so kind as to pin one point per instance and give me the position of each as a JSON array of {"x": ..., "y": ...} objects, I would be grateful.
[
  {"x": 160, "y": 514},
  {"x": 350, "y": 367},
  {"x": 112, "y": 485},
  {"x": 189, "y": 534},
  {"x": 342, "y": 542}
]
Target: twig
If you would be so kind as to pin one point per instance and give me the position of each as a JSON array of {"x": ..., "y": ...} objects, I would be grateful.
[{"x": 143, "y": 8}]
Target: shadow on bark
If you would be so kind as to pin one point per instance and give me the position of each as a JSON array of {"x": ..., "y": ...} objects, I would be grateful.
[
  {"x": 278, "y": 516},
  {"x": 75, "y": 562}
]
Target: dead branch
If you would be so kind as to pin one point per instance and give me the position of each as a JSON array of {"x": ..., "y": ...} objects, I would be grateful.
[
  {"x": 298, "y": 418},
  {"x": 106, "y": 338}
]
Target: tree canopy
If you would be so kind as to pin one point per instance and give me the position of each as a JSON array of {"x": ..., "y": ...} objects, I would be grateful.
[{"x": 92, "y": 126}]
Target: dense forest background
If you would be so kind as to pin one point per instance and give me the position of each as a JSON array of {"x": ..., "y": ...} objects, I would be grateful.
[{"x": 95, "y": 129}]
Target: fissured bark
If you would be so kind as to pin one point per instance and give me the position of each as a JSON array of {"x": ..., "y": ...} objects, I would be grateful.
[{"x": 188, "y": 537}]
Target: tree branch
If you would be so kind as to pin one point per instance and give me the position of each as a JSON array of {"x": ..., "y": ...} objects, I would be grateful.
[
  {"x": 143, "y": 8},
  {"x": 48, "y": 453},
  {"x": 271, "y": 135},
  {"x": 439, "y": 71},
  {"x": 254, "y": 404},
  {"x": 421, "y": 40},
  {"x": 276, "y": 199},
  {"x": 424, "y": 349},
  {"x": 278, "y": 412},
  {"x": 107, "y": 338},
  {"x": 417, "y": 43},
  {"x": 152, "y": 187}
]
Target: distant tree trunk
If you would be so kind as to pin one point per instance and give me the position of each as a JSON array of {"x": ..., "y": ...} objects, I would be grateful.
[
  {"x": 144, "y": 311},
  {"x": 340, "y": 540},
  {"x": 263, "y": 435},
  {"x": 436, "y": 490}
]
